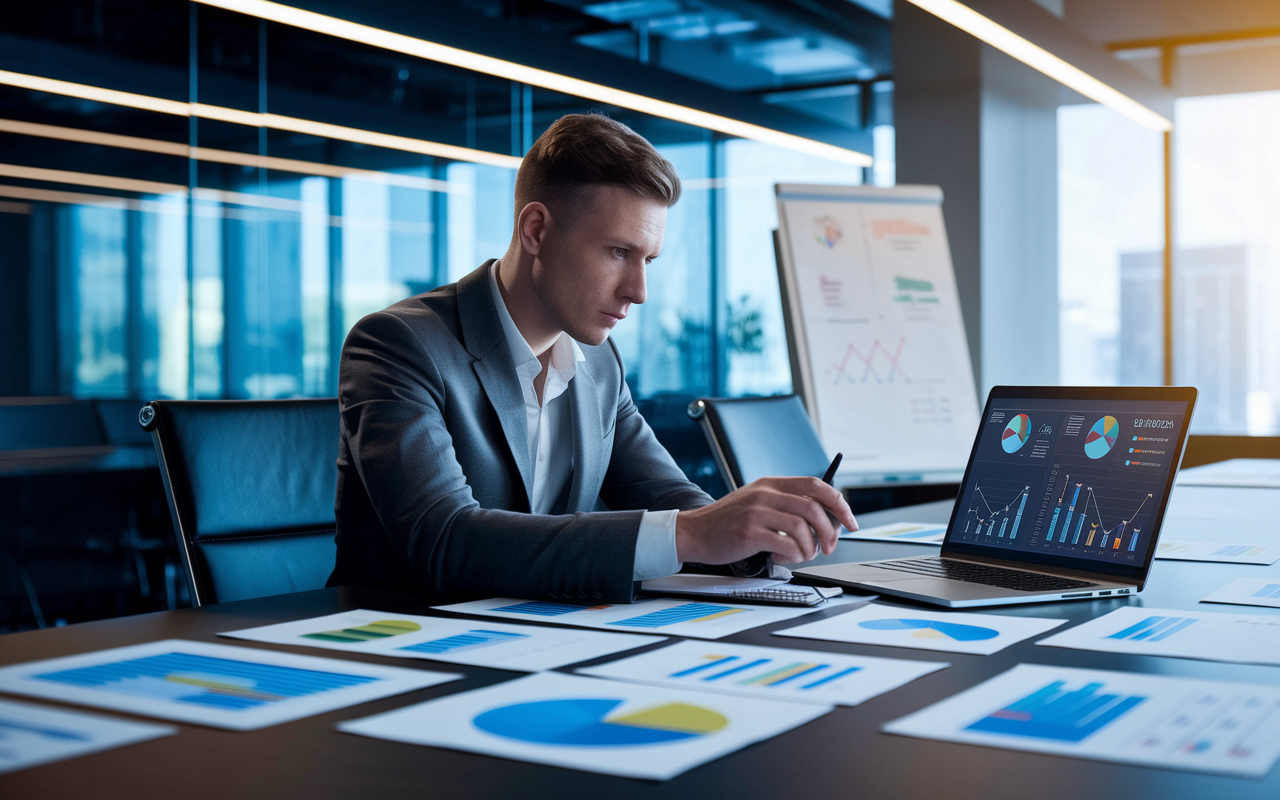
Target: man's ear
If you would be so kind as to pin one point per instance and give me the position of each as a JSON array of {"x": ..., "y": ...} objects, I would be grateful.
[{"x": 532, "y": 227}]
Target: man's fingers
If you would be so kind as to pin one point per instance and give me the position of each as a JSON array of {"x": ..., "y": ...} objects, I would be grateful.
[
  {"x": 796, "y": 528},
  {"x": 813, "y": 513},
  {"x": 826, "y": 494}
]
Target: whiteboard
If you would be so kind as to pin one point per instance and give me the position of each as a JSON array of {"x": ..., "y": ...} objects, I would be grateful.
[{"x": 878, "y": 346}]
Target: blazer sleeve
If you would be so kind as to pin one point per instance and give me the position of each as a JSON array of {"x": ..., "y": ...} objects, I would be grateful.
[
  {"x": 392, "y": 395},
  {"x": 642, "y": 474}
]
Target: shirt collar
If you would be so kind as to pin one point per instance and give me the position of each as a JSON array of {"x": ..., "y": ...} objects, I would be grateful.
[{"x": 565, "y": 353}]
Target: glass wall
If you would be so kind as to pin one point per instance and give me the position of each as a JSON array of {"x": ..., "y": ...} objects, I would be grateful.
[
  {"x": 1110, "y": 249},
  {"x": 1227, "y": 337},
  {"x": 1226, "y": 340},
  {"x": 199, "y": 257}
]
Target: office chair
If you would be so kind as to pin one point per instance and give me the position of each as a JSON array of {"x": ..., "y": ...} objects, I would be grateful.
[
  {"x": 251, "y": 487},
  {"x": 754, "y": 437}
]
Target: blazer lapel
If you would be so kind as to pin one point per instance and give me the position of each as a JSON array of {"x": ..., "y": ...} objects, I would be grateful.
[
  {"x": 588, "y": 443},
  {"x": 482, "y": 336}
]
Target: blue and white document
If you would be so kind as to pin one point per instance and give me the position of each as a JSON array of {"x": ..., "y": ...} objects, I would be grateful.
[
  {"x": 526, "y": 648},
  {"x": 1131, "y": 718},
  {"x": 32, "y": 735},
  {"x": 1245, "y": 638},
  {"x": 212, "y": 684},
  {"x": 580, "y": 723},
  {"x": 770, "y": 673}
]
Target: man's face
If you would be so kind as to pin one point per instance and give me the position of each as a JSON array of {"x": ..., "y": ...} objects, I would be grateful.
[{"x": 589, "y": 270}]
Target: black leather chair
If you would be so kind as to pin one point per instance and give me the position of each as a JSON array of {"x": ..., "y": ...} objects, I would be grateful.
[
  {"x": 251, "y": 489},
  {"x": 754, "y": 437}
]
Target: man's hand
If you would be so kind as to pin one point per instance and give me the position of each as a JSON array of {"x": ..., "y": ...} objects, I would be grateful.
[{"x": 784, "y": 516}]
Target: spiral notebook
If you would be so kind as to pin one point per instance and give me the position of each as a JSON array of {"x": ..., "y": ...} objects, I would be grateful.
[{"x": 746, "y": 590}]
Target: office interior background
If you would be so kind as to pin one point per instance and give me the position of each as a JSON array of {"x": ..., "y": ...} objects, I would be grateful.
[{"x": 149, "y": 254}]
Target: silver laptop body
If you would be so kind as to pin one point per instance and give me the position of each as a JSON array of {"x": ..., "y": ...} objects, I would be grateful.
[{"x": 1062, "y": 499}]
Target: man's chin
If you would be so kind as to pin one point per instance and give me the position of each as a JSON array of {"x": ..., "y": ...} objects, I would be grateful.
[{"x": 592, "y": 337}]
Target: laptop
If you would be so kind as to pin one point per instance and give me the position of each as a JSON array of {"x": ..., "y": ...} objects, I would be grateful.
[{"x": 1062, "y": 499}]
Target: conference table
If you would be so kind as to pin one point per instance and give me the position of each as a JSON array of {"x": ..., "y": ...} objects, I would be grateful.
[{"x": 843, "y": 754}]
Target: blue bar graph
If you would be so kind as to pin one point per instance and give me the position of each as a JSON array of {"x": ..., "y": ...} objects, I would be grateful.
[
  {"x": 541, "y": 609},
  {"x": 1270, "y": 590},
  {"x": 1231, "y": 550},
  {"x": 1018, "y": 519},
  {"x": 1003, "y": 524},
  {"x": 737, "y": 669},
  {"x": 1053, "y": 523},
  {"x": 1133, "y": 543},
  {"x": 835, "y": 676},
  {"x": 39, "y": 730},
  {"x": 1057, "y": 714},
  {"x": 1066, "y": 524},
  {"x": 689, "y": 612},
  {"x": 205, "y": 680},
  {"x": 1154, "y": 629},
  {"x": 464, "y": 641},
  {"x": 1079, "y": 526},
  {"x": 684, "y": 673}
]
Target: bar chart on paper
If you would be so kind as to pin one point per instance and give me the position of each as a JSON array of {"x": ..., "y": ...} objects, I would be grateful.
[
  {"x": 1224, "y": 552},
  {"x": 1210, "y": 636},
  {"x": 1153, "y": 720},
  {"x": 31, "y": 735},
  {"x": 527, "y": 648},
  {"x": 1248, "y": 592},
  {"x": 697, "y": 620},
  {"x": 212, "y": 684},
  {"x": 767, "y": 672}
]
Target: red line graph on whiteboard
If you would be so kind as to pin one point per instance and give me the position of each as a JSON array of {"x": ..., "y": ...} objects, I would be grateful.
[{"x": 860, "y": 366}]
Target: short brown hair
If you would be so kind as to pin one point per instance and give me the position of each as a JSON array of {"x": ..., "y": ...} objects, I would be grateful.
[{"x": 579, "y": 151}]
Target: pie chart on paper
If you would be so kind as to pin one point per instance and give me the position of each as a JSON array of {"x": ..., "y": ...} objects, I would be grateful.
[
  {"x": 932, "y": 629},
  {"x": 1102, "y": 437},
  {"x": 589, "y": 722},
  {"x": 1016, "y": 433}
]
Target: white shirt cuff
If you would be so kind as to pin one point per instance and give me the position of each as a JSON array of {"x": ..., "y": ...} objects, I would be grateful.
[{"x": 656, "y": 546}]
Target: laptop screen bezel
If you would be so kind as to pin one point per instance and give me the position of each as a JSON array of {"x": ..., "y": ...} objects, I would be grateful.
[{"x": 1136, "y": 574}]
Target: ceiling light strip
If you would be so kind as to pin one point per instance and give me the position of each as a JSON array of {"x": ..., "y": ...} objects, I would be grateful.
[
  {"x": 1033, "y": 55},
  {"x": 251, "y": 119},
  {"x": 465, "y": 59},
  {"x": 220, "y": 156}
]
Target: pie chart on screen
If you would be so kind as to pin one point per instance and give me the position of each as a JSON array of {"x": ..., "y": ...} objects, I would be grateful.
[
  {"x": 594, "y": 722},
  {"x": 1102, "y": 437},
  {"x": 1016, "y": 433}
]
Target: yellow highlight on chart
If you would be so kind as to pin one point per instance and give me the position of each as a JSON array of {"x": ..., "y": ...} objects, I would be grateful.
[
  {"x": 680, "y": 717},
  {"x": 381, "y": 629}
]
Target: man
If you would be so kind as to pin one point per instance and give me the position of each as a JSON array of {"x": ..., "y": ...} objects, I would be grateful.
[{"x": 484, "y": 422}]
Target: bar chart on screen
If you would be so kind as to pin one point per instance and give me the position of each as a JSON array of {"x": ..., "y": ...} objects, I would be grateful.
[
  {"x": 1206, "y": 635},
  {"x": 767, "y": 672},
  {"x": 1153, "y": 720}
]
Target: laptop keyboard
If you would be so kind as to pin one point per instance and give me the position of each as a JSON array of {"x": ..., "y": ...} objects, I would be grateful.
[{"x": 981, "y": 573}]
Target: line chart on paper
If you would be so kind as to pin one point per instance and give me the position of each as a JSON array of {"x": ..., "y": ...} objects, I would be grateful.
[{"x": 874, "y": 363}]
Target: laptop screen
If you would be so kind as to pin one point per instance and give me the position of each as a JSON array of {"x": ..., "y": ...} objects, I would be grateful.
[{"x": 1077, "y": 482}]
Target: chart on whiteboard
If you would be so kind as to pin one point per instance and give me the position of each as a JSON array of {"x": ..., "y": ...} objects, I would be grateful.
[{"x": 887, "y": 360}]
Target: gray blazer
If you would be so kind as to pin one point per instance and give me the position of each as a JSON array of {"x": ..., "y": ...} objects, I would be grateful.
[{"x": 433, "y": 466}]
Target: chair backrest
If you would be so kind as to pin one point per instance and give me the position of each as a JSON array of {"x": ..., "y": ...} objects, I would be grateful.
[
  {"x": 755, "y": 437},
  {"x": 251, "y": 488}
]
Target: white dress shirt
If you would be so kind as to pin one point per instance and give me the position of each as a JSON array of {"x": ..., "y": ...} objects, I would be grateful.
[{"x": 550, "y": 427}]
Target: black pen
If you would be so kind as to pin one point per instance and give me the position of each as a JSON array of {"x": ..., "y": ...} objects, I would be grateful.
[{"x": 831, "y": 470}]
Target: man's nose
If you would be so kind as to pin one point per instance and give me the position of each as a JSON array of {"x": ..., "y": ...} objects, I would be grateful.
[{"x": 635, "y": 290}]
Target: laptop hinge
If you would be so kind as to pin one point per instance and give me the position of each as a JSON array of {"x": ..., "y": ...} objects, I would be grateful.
[{"x": 1069, "y": 573}]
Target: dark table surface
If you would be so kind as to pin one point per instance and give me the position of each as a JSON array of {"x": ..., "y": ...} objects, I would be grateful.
[{"x": 841, "y": 755}]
